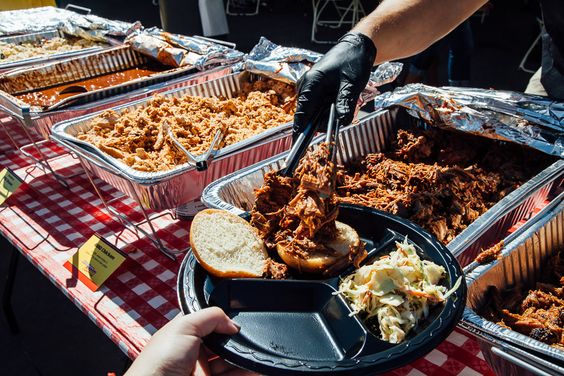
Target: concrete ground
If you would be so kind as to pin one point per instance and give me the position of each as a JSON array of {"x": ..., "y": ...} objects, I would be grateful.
[{"x": 57, "y": 339}]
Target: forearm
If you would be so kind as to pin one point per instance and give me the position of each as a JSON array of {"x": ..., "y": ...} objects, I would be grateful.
[{"x": 402, "y": 28}]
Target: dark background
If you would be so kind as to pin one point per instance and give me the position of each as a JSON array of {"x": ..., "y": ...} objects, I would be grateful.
[
  {"x": 55, "y": 337},
  {"x": 501, "y": 38}
]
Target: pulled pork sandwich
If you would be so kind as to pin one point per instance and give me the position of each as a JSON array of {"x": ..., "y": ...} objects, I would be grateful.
[{"x": 296, "y": 217}]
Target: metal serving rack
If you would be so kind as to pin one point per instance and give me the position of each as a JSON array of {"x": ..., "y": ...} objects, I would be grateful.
[
  {"x": 31, "y": 143},
  {"x": 134, "y": 227}
]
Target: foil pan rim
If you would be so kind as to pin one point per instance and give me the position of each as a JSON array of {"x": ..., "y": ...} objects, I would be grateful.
[
  {"x": 513, "y": 241},
  {"x": 148, "y": 178},
  {"x": 59, "y": 131}
]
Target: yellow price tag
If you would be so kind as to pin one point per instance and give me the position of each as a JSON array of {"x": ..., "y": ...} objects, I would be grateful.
[
  {"x": 9, "y": 182},
  {"x": 96, "y": 260}
]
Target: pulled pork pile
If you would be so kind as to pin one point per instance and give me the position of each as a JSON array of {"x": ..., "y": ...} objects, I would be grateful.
[
  {"x": 441, "y": 180},
  {"x": 138, "y": 138},
  {"x": 540, "y": 314},
  {"x": 491, "y": 254},
  {"x": 299, "y": 212}
]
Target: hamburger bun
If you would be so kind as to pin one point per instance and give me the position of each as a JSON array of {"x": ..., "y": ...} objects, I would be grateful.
[
  {"x": 347, "y": 239},
  {"x": 226, "y": 245}
]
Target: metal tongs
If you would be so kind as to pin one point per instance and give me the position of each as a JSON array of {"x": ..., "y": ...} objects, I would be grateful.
[
  {"x": 302, "y": 143},
  {"x": 200, "y": 162}
]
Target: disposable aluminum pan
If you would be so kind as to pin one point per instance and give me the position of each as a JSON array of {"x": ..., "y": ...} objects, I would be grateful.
[
  {"x": 184, "y": 183},
  {"x": 524, "y": 257},
  {"x": 44, "y": 122},
  {"x": 50, "y": 34},
  {"x": 75, "y": 69},
  {"x": 235, "y": 192}
]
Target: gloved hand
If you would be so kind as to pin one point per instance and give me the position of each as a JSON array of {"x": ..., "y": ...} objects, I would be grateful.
[{"x": 339, "y": 77}]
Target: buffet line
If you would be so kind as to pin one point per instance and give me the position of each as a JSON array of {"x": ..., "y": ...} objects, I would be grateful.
[{"x": 179, "y": 123}]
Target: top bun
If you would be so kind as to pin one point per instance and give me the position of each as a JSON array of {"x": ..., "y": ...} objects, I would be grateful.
[{"x": 226, "y": 245}]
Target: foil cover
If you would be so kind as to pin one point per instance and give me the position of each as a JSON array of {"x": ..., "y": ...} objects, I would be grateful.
[
  {"x": 288, "y": 64},
  {"x": 180, "y": 50},
  {"x": 49, "y": 18},
  {"x": 534, "y": 121}
]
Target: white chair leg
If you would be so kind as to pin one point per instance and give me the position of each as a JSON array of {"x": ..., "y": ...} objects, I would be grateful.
[
  {"x": 354, "y": 10},
  {"x": 531, "y": 48},
  {"x": 526, "y": 57}
]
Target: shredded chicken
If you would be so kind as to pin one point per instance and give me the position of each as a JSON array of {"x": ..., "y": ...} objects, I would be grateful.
[
  {"x": 539, "y": 314},
  {"x": 137, "y": 137},
  {"x": 441, "y": 180},
  {"x": 299, "y": 212}
]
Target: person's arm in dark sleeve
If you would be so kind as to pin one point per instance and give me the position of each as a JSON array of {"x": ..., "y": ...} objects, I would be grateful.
[{"x": 394, "y": 30}]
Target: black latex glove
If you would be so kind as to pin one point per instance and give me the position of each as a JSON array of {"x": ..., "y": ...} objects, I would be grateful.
[{"x": 340, "y": 76}]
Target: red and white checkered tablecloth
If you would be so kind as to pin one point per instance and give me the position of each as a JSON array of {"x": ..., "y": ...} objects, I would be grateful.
[{"x": 48, "y": 222}]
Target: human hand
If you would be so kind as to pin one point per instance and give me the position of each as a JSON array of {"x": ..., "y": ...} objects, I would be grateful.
[
  {"x": 176, "y": 349},
  {"x": 339, "y": 77}
]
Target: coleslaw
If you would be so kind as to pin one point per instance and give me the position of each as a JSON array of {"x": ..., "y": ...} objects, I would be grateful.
[{"x": 398, "y": 289}]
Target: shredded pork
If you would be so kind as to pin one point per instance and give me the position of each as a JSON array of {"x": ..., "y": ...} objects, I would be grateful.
[
  {"x": 540, "y": 313},
  {"x": 138, "y": 139},
  {"x": 443, "y": 181},
  {"x": 299, "y": 212},
  {"x": 18, "y": 51},
  {"x": 491, "y": 254}
]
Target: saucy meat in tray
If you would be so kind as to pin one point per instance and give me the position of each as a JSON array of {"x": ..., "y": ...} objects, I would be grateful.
[
  {"x": 537, "y": 312},
  {"x": 443, "y": 181}
]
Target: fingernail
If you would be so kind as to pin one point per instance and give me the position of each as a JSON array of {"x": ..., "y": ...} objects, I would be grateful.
[{"x": 236, "y": 325}]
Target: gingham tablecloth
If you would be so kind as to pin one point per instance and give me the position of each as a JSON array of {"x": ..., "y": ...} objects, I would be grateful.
[{"x": 48, "y": 222}]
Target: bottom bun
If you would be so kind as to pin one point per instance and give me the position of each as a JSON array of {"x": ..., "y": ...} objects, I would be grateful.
[{"x": 347, "y": 239}]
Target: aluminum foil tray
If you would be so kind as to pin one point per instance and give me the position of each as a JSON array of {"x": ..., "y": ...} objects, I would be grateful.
[
  {"x": 50, "y": 34},
  {"x": 43, "y": 122},
  {"x": 183, "y": 184},
  {"x": 235, "y": 192},
  {"x": 78, "y": 68},
  {"x": 523, "y": 257}
]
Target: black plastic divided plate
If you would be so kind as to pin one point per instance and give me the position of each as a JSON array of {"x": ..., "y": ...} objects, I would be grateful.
[{"x": 299, "y": 327}]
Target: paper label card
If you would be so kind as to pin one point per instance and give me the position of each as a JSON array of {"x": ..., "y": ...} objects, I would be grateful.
[
  {"x": 9, "y": 182},
  {"x": 96, "y": 260}
]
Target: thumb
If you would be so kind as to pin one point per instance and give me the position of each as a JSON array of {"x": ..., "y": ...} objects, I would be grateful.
[
  {"x": 311, "y": 96},
  {"x": 345, "y": 103},
  {"x": 207, "y": 321}
]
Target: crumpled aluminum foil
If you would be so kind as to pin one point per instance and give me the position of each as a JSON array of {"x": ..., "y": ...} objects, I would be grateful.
[
  {"x": 281, "y": 63},
  {"x": 97, "y": 28},
  {"x": 179, "y": 50},
  {"x": 157, "y": 49},
  {"x": 48, "y": 18},
  {"x": 288, "y": 64},
  {"x": 530, "y": 120},
  {"x": 31, "y": 20}
]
